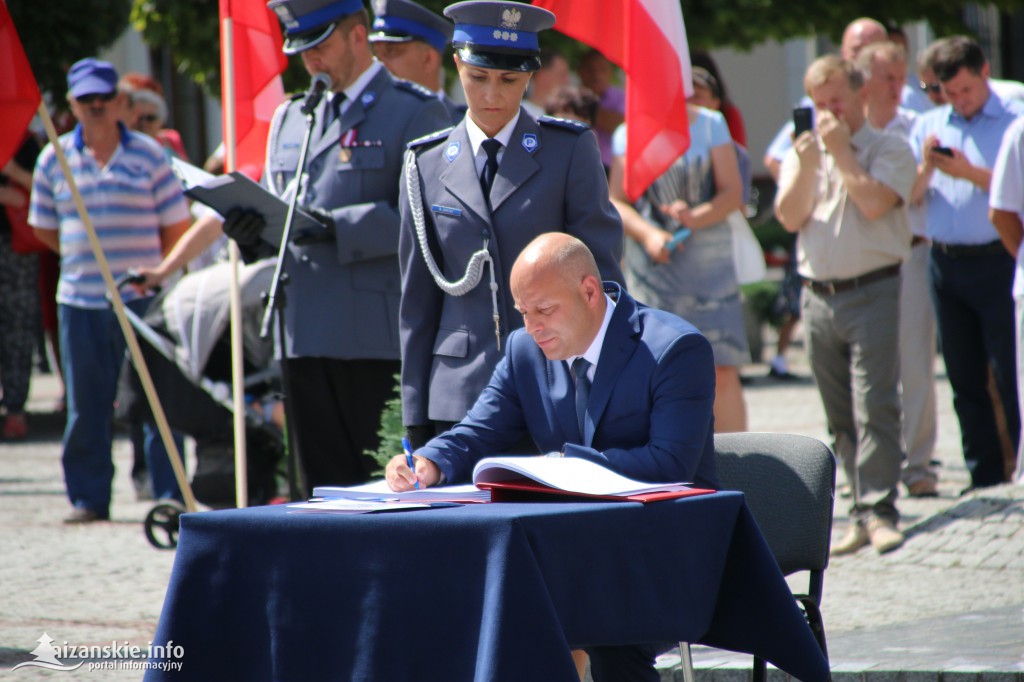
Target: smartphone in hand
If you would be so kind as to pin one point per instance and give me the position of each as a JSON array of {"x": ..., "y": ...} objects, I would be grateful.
[
  {"x": 945, "y": 151},
  {"x": 803, "y": 120}
]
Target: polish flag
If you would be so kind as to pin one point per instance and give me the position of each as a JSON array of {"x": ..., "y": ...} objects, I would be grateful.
[
  {"x": 647, "y": 39},
  {"x": 19, "y": 93},
  {"x": 257, "y": 62}
]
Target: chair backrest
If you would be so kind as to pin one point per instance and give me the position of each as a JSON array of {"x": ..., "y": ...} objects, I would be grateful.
[{"x": 789, "y": 484}]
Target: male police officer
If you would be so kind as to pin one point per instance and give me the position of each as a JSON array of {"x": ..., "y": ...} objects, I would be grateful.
[
  {"x": 341, "y": 336},
  {"x": 410, "y": 40}
]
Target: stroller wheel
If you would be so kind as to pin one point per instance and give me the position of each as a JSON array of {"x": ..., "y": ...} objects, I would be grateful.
[{"x": 161, "y": 525}]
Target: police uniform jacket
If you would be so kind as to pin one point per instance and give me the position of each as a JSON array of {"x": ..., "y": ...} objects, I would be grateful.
[
  {"x": 342, "y": 299},
  {"x": 550, "y": 179}
]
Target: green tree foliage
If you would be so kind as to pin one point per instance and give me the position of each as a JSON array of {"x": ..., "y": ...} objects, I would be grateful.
[
  {"x": 57, "y": 34},
  {"x": 191, "y": 29}
]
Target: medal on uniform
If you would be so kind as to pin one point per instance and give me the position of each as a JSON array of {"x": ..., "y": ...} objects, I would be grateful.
[{"x": 347, "y": 142}]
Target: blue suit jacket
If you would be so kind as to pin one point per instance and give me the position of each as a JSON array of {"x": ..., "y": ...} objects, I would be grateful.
[{"x": 650, "y": 412}]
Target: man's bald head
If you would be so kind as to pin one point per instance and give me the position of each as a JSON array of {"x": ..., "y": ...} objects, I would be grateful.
[
  {"x": 557, "y": 289},
  {"x": 560, "y": 253},
  {"x": 860, "y": 33}
]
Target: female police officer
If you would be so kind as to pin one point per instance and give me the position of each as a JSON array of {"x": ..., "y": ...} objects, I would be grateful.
[{"x": 472, "y": 197}]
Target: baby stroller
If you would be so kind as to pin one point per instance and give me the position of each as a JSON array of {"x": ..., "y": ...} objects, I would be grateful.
[{"x": 185, "y": 340}]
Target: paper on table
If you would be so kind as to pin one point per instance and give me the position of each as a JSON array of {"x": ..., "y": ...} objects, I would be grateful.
[
  {"x": 342, "y": 506},
  {"x": 571, "y": 474},
  {"x": 379, "y": 491}
]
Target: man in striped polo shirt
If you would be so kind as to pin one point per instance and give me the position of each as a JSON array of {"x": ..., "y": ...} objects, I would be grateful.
[{"x": 138, "y": 210}]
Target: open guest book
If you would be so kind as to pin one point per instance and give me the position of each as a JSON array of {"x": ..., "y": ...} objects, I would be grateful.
[{"x": 519, "y": 479}]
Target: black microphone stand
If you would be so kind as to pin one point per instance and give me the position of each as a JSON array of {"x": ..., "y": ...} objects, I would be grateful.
[{"x": 276, "y": 300}]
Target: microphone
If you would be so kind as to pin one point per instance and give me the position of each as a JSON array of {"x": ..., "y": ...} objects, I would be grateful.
[{"x": 321, "y": 84}]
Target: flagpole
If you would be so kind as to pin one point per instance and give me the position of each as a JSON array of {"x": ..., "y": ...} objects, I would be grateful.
[
  {"x": 237, "y": 368},
  {"x": 118, "y": 306}
]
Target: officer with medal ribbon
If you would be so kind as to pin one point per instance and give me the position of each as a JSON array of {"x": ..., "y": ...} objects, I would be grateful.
[
  {"x": 341, "y": 311},
  {"x": 473, "y": 197},
  {"x": 411, "y": 41}
]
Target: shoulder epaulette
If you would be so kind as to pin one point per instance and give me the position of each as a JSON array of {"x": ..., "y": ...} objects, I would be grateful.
[
  {"x": 430, "y": 138},
  {"x": 566, "y": 123},
  {"x": 414, "y": 88}
]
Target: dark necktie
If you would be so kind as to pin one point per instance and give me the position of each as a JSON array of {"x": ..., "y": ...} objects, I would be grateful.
[
  {"x": 333, "y": 110},
  {"x": 579, "y": 370},
  {"x": 491, "y": 146}
]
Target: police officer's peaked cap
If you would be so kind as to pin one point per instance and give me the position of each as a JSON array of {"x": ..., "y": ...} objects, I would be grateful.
[
  {"x": 307, "y": 23},
  {"x": 498, "y": 35},
  {"x": 399, "y": 21}
]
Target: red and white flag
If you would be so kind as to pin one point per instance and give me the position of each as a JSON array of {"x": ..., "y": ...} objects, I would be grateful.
[
  {"x": 257, "y": 62},
  {"x": 647, "y": 39},
  {"x": 19, "y": 93}
]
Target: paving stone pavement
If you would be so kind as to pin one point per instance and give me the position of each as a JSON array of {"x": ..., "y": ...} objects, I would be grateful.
[{"x": 948, "y": 605}]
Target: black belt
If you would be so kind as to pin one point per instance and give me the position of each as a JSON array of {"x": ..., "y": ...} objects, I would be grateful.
[
  {"x": 836, "y": 286},
  {"x": 969, "y": 250}
]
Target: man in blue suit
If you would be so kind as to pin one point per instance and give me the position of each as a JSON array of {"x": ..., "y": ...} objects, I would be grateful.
[{"x": 648, "y": 378}]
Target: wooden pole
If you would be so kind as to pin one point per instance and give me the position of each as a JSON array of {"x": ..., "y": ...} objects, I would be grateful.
[
  {"x": 235, "y": 293},
  {"x": 126, "y": 327}
]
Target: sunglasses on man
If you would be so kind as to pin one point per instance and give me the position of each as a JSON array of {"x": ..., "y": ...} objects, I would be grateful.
[
  {"x": 933, "y": 88},
  {"x": 96, "y": 97}
]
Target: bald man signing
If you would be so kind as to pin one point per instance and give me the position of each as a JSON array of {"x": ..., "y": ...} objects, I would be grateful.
[{"x": 648, "y": 375}]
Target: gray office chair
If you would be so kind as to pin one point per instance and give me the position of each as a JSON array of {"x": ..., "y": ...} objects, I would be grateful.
[{"x": 789, "y": 483}]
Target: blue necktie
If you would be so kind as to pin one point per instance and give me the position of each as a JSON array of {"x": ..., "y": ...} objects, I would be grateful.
[
  {"x": 491, "y": 147},
  {"x": 579, "y": 370}
]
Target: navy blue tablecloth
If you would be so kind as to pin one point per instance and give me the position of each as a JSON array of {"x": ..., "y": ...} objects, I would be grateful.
[{"x": 479, "y": 592}]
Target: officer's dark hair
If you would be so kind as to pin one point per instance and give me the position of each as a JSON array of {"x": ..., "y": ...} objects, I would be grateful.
[
  {"x": 949, "y": 55},
  {"x": 358, "y": 18}
]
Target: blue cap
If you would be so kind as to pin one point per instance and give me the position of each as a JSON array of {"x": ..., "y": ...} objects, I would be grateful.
[
  {"x": 91, "y": 77},
  {"x": 307, "y": 23},
  {"x": 498, "y": 35},
  {"x": 400, "y": 21}
]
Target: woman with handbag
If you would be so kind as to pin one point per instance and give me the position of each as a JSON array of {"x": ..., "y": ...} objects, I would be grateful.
[
  {"x": 19, "y": 302},
  {"x": 679, "y": 254}
]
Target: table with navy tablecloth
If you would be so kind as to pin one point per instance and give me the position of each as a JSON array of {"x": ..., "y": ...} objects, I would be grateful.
[{"x": 497, "y": 591}]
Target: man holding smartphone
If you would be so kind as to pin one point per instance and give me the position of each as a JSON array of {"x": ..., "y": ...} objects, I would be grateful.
[
  {"x": 844, "y": 189},
  {"x": 884, "y": 67},
  {"x": 971, "y": 272}
]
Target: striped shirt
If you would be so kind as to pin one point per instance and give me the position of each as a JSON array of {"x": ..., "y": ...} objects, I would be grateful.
[{"x": 129, "y": 201}]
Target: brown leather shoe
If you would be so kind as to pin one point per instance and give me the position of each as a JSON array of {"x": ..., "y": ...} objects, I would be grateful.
[
  {"x": 855, "y": 538},
  {"x": 884, "y": 535},
  {"x": 926, "y": 487}
]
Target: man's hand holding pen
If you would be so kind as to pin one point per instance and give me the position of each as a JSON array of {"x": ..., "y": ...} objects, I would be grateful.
[{"x": 401, "y": 477}]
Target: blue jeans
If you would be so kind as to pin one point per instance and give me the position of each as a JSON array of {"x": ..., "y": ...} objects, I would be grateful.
[
  {"x": 91, "y": 352},
  {"x": 161, "y": 473}
]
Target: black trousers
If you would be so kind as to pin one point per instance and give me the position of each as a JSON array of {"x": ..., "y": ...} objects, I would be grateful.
[
  {"x": 975, "y": 312},
  {"x": 626, "y": 663},
  {"x": 336, "y": 407}
]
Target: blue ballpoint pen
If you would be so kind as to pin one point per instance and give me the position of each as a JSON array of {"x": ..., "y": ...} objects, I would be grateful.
[{"x": 408, "y": 458}]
